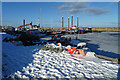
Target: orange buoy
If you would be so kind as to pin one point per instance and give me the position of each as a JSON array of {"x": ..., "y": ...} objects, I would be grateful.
[
  {"x": 73, "y": 49},
  {"x": 77, "y": 52},
  {"x": 82, "y": 52}
]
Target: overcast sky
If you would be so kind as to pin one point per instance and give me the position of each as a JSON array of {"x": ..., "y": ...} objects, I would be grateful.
[{"x": 50, "y": 13}]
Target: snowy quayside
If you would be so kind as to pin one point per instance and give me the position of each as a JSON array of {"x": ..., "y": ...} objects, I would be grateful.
[{"x": 48, "y": 59}]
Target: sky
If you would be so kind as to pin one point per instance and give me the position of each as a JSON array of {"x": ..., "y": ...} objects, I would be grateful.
[
  {"x": 92, "y": 14},
  {"x": 60, "y": 0}
]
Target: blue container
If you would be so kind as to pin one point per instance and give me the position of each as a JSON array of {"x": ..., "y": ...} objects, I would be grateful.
[{"x": 81, "y": 31}]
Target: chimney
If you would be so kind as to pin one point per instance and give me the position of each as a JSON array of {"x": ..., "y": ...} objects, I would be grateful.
[
  {"x": 77, "y": 21},
  {"x": 24, "y": 23},
  {"x": 68, "y": 23},
  {"x": 71, "y": 21}
]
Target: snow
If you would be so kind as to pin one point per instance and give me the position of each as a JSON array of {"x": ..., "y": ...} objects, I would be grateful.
[
  {"x": 62, "y": 65},
  {"x": 32, "y": 62},
  {"x": 15, "y": 57},
  {"x": 2, "y": 33}
]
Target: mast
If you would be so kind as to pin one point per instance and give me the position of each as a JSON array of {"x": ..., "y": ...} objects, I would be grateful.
[{"x": 62, "y": 22}]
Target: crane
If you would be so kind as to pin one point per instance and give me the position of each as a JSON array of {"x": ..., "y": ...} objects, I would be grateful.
[{"x": 25, "y": 25}]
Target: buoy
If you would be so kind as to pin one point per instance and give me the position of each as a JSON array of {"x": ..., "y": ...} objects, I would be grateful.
[
  {"x": 68, "y": 48},
  {"x": 82, "y": 52},
  {"x": 77, "y": 52},
  {"x": 73, "y": 49},
  {"x": 59, "y": 44}
]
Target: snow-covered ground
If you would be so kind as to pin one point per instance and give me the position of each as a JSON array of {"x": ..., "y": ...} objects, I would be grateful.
[
  {"x": 62, "y": 65},
  {"x": 16, "y": 57},
  {"x": 30, "y": 61}
]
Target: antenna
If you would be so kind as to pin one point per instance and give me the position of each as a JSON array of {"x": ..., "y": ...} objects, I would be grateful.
[
  {"x": 1, "y": 15},
  {"x": 62, "y": 21},
  {"x": 38, "y": 24},
  {"x": 41, "y": 16}
]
